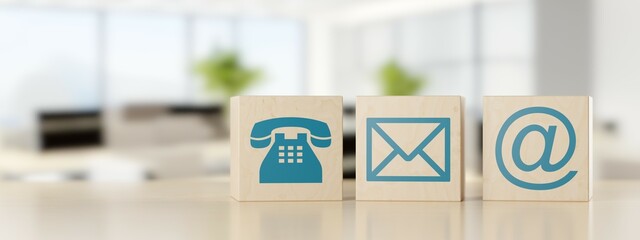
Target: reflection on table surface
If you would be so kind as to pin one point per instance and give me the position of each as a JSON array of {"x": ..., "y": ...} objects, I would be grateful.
[
  {"x": 535, "y": 220},
  {"x": 201, "y": 209},
  {"x": 388, "y": 220}
]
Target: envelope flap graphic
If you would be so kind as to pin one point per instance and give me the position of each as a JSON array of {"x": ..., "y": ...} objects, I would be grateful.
[
  {"x": 415, "y": 167},
  {"x": 413, "y": 163},
  {"x": 407, "y": 138}
]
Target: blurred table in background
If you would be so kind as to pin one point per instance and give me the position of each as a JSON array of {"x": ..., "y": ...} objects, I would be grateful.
[
  {"x": 200, "y": 208},
  {"x": 99, "y": 164}
]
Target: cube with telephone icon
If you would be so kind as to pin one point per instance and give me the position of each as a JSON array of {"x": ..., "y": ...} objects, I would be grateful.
[{"x": 286, "y": 148}]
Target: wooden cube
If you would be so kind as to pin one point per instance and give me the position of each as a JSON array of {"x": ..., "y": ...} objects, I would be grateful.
[
  {"x": 286, "y": 148},
  {"x": 537, "y": 148},
  {"x": 409, "y": 148}
]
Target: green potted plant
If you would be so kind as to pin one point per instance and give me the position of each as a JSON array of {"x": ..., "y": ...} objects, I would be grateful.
[
  {"x": 224, "y": 74},
  {"x": 396, "y": 81}
]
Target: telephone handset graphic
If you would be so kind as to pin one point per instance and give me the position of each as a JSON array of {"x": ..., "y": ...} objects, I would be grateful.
[{"x": 290, "y": 160}]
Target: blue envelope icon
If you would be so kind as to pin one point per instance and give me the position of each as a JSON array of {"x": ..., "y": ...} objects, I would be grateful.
[{"x": 419, "y": 153}]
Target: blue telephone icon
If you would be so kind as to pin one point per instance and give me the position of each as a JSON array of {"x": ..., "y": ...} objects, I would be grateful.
[{"x": 290, "y": 160}]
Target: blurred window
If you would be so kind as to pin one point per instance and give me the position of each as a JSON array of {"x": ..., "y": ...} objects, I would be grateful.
[
  {"x": 276, "y": 47},
  {"x": 507, "y": 48},
  {"x": 49, "y": 60},
  {"x": 439, "y": 47},
  {"x": 435, "y": 46},
  {"x": 473, "y": 50},
  {"x": 85, "y": 59},
  {"x": 146, "y": 58},
  {"x": 210, "y": 36},
  {"x": 273, "y": 46},
  {"x": 67, "y": 59}
]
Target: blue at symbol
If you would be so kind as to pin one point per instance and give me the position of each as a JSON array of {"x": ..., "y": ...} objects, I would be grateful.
[{"x": 545, "y": 160}]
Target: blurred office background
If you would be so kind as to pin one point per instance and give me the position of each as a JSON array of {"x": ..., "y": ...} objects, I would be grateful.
[{"x": 110, "y": 90}]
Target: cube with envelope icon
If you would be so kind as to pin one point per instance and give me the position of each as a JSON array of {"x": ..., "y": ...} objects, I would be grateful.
[{"x": 409, "y": 148}]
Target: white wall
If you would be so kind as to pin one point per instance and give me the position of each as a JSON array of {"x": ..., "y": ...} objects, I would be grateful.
[
  {"x": 617, "y": 70},
  {"x": 563, "y": 47}
]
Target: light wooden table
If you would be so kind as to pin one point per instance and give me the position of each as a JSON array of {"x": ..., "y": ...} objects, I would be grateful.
[{"x": 201, "y": 209}]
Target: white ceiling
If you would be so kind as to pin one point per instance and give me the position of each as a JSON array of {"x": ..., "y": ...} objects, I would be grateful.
[
  {"x": 296, "y": 8},
  {"x": 350, "y": 11}
]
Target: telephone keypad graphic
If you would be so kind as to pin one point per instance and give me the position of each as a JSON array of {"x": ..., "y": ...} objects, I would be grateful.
[
  {"x": 289, "y": 154},
  {"x": 291, "y": 160},
  {"x": 544, "y": 162}
]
